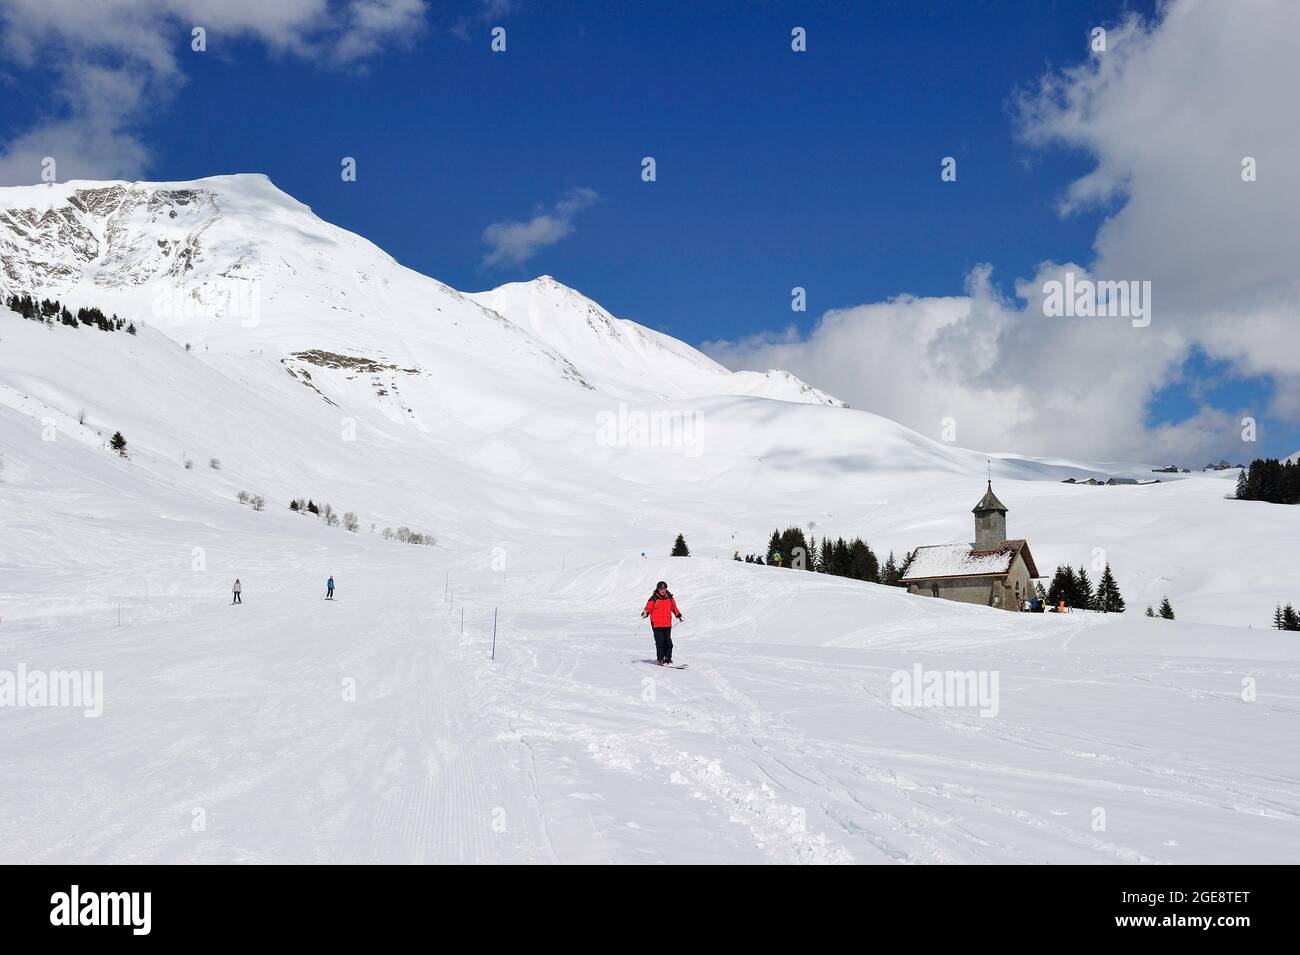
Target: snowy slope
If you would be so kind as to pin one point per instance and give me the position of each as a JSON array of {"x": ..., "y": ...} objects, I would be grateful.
[
  {"x": 781, "y": 743},
  {"x": 615, "y": 351},
  {"x": 320, "y": 367}
]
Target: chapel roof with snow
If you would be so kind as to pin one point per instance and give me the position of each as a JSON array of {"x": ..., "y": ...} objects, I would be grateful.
[{"x": 936, "y": 561}]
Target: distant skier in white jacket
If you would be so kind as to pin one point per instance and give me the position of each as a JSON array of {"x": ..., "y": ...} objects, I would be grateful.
[{"x": 235, "y": 592}]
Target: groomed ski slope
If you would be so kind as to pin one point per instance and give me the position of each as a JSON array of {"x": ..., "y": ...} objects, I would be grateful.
[{"x": 779, "y": 743}]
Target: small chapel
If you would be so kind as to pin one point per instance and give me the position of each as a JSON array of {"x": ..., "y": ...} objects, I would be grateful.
[{"x": 992, "y": 571}]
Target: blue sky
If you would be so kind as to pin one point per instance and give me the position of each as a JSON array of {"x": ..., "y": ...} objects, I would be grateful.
[{"x": 775, "y": 169}]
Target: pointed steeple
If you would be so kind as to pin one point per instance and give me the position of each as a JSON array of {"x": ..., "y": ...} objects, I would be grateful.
[
  {"x": 989, "y": 502},
  {"x": 990, "y": 521}
]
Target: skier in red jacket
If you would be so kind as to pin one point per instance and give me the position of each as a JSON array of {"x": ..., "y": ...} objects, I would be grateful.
[{"x": 661, "y": 608}]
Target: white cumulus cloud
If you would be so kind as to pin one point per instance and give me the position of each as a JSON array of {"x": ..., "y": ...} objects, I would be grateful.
[
  {"x": 112, "y": 61},
  {"x": 1168, "y": 114}
]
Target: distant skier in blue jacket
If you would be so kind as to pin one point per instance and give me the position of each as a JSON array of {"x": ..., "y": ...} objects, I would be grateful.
[{"x": 329, "y": 589}]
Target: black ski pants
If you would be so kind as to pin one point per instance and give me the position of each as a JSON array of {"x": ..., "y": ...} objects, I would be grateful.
[{"x": 663, "y": 643}]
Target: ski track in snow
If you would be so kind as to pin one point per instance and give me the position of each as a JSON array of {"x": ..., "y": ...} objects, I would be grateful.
[
  {"x": 794, "y": 797},
  {"x": 567, "y": 748}
]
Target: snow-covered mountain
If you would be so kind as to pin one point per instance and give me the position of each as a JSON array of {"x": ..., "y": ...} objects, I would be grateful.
[
  {"x": 615, "y": 351},
  {"x": 308, "y": 361},
  {"x": 232, "y": 264}
]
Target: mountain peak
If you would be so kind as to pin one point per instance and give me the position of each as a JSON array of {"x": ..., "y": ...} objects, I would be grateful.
[
  {"x": 47, "y": 195},
  {"x": 208, "y": 258}
]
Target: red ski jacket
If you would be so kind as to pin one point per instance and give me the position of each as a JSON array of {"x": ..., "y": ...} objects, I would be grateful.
[{"x": 662, "y": 610}]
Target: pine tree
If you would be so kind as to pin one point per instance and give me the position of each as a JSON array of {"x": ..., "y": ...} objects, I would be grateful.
[
  {"x": 1166, "y": 609},
  {"x": 840, "y": 558},
  {"x": 794, "y": 548},
  {"x": 1062, "y": 586},
  {"x": 873, "y": 566},
  {"x": 118, "y": 443},
  {"x": 1150, "y": 612},
  {"x": 1271, "y": 480},
  {"x": 1082, "y": 590},
  {"x": 293, "y": 505},
  {"x": 774, "y": 548},
  {"x": 1042, "y": 594},
  {"x": 679, "y": 547},
  {"x": 1108, "y": 599},
  {"x": 1290, "y": 619},
  {"x": 311, "y": 507},
  {"x": 1277, "y": 617},
  {"x": 904, "y": 566},
  {"x": 862, "y": 562},
  {"x": 889, "y": 573}
]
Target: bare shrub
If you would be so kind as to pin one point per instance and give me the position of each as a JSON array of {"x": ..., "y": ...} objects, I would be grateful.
[{"x": 408, "y": 536}]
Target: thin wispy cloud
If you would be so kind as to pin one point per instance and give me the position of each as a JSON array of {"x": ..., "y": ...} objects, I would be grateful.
[
  {"x": 479, "y": 14},
  {"x": 514, "y": 242}
]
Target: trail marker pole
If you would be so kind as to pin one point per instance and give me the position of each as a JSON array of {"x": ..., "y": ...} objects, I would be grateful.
[{"x": 494, "y": 633}]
